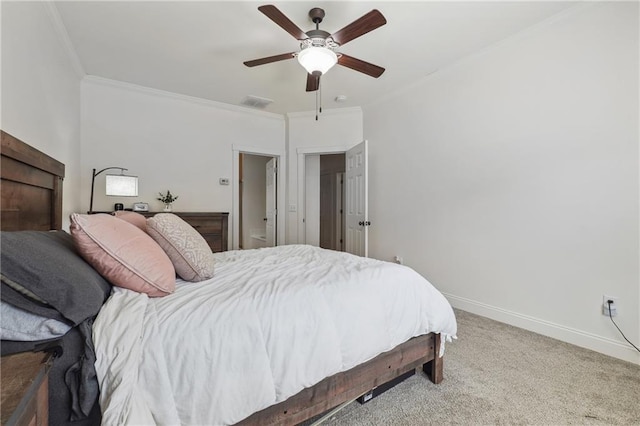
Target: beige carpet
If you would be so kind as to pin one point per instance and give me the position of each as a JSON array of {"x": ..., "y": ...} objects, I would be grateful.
[{"x": 498, "y": 374}]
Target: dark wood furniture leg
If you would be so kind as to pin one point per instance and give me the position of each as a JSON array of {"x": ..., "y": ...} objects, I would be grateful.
[{"x": 434, "y": 368}]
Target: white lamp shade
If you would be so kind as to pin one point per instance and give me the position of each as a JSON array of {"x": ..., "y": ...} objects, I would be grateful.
[
  {"x": 317, "y": 59},
  {"x": 122, "y": 186}
]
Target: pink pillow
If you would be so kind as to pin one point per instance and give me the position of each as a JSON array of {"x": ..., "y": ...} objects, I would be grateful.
[
  {"x": 133, "y": 218},
  {"x": 123, "y": 254}
]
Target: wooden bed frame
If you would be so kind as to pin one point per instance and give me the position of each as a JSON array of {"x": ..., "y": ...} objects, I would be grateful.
[
  {"x": 31, "y": 199},
  {"x": 349, "y": 385}
]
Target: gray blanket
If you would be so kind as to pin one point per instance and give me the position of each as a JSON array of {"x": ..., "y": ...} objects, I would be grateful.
[{"x": 42, "y": 273}]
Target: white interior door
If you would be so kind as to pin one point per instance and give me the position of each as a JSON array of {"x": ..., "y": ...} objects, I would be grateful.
[
  {"x": 272, "y": 212},
  {"x": 356, "y": 190}
]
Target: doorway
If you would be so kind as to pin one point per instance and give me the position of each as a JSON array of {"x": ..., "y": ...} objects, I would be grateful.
[
  {"x": 257, "y": 188},
  {"x": 324, "y": 200},
  {"x": 354, "y": 221},
  {"x": 280, "y": 174}
]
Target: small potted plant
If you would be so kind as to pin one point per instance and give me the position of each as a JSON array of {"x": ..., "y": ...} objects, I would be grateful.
[{"x": 167, "y": 199}]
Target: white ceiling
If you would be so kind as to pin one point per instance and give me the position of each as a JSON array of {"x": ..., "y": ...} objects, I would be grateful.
[{"x": 198, "y": 48}]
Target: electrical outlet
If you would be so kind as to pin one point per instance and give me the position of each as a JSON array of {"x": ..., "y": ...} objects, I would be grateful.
[
  {"x": 397, "y": 259},
  {"x": 606, "y": 306}
]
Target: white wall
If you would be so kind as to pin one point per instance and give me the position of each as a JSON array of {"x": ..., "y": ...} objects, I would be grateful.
[
  {"x": 41, "y": 89},
  {"x": 337, "y": 130},
  {"x": 170, "y": 141},
  {"x": 510, "y": 179}
]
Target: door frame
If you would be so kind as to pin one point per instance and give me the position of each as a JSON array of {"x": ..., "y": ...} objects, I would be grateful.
[
  {"x": 234, "y": 244},
  {"x": 271, "y": 200},
  {"x": 339, "y": 215},
  {"x": 302, "y": 208}
]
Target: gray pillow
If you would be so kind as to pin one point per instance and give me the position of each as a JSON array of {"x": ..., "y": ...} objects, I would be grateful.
[{"x": 42, "y": 273}]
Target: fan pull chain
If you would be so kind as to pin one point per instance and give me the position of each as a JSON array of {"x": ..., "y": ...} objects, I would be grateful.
[
  {"x": 320, "y": 90},
  {"x": 319, "y": 98}
]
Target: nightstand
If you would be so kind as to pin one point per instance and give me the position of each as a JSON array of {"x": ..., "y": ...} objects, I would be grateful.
[
  {"x": 213, "y": 226},
  {"x": 25, "y": 388}
]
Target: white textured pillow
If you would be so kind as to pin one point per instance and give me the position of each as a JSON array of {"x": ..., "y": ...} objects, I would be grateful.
[{"x": 189, "y": 252}]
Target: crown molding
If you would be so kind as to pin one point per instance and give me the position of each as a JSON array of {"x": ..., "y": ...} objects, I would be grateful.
[
  {"x": 63, "y": 37},
  {"x": 92, "y": 79}
]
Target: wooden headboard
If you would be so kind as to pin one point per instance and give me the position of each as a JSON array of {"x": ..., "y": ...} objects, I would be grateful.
[{"x": 30, "y": 187}]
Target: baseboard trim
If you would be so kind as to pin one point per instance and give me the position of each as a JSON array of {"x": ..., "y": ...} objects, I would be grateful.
[{"x": 566, "y": 334}]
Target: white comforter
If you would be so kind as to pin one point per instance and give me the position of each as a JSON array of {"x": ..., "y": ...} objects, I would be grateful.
[{"x": 270, "y": 323}]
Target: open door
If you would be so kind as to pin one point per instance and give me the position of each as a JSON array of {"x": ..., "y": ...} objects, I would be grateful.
[
  {"x": 356, "y": 200},
  {"x": 271, "y": 211}
]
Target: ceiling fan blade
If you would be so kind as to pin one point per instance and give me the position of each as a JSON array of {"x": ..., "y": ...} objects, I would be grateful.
[
  {"x": 285, "y": 23},
  {"x": 360, "y": 65},
  {"x": 269, "y": 59},
  {"x": 363, "y": 25},
  {"x": 313, "y": 82}
]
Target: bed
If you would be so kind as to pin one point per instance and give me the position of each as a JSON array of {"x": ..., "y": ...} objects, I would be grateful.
[{"x": 317, "y": 376}]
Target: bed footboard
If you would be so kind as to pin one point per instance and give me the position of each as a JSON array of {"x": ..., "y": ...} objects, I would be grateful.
[{"x": 348, "y": 385}]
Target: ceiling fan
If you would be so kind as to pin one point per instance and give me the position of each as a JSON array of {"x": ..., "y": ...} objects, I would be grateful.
[{"x": 318, "y": 49}]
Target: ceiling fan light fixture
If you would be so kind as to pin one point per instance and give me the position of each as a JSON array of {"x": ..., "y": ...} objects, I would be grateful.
[{"x": 319, "y": 59}]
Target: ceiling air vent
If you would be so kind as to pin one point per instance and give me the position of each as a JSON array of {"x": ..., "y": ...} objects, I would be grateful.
[{"x": 256, "y": 102}]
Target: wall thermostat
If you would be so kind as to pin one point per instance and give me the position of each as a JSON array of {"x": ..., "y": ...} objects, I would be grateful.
[{"x": 140, "y": 207}]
